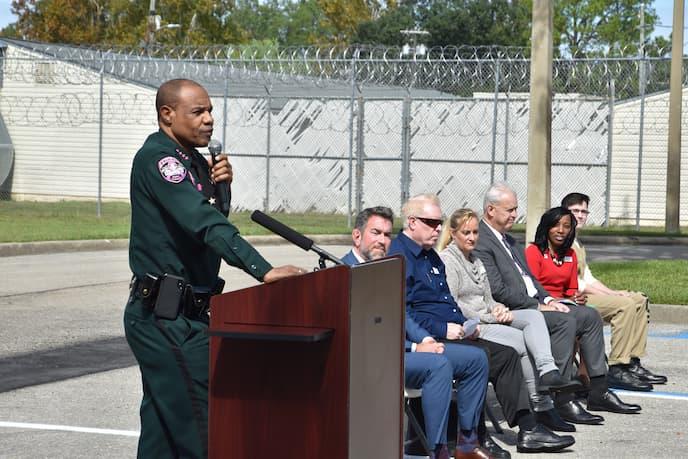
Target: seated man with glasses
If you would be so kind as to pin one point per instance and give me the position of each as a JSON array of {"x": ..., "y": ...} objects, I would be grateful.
[
  {"x": 430, "y": 303},
  {"x": 627, "y": 312},
  {"x": 428, "y": 365}
]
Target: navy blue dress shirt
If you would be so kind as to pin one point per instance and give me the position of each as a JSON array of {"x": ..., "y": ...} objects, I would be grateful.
[
  {"x": 428, "y": 299},
  {"x": 414, "y": 333}
]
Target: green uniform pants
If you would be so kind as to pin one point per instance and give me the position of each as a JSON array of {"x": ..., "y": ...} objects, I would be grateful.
[{"x": 173, "y": 358}]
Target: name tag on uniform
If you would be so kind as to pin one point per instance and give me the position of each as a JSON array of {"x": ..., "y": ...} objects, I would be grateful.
[
  {"x": 568, "y": 259},
  {"x": 434, "y": 270}
]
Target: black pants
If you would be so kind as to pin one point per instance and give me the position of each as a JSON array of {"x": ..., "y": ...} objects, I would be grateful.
[{"x": 506, "y": 377}]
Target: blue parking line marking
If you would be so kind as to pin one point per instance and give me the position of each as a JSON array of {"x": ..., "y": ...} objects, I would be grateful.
[
  {"x": 653, "y": 394},
  {"x": 683, "y": 334}
]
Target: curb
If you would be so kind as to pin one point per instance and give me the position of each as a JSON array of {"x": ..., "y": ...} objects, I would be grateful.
[
  {"x": 669, "y": 314},
  {"x": 13, "y": 249},
  {"x": 598, "y": 239}
]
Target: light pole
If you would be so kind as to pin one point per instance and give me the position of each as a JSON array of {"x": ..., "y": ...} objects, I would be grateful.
[
  {"x": 412, "y": 36},
  {"x": 150, "y": 25},
  {"x": 154, "y": 24}
]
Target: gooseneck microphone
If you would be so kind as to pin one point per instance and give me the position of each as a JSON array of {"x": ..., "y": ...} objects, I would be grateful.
[
  {"x": 224, "y": 192},
  {"x": 293, "y": 236}
]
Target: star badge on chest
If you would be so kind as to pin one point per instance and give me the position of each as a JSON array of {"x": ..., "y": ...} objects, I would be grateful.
[{"x": 211, "y": 200}]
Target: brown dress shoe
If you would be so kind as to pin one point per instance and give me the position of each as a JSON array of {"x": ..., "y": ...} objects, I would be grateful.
[
  {"x": 469, "y": 448},
  {"x": 477, "y": 452}
]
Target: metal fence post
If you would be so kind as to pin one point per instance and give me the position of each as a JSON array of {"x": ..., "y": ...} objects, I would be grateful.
[
  {"x": 405, "y": 149},
  {"x": 268, "y": 147},
  {"x": 610, "y": 149},
  {"x": 100, "y": 137},
  {"x": 224, "y": 106},
  {"x": 506, "y": 135},
  {"x": 495, "y": 112},
  {"x": 351, "y": 139},
  {"x": 360, "y": 146},
  {"x": 640, "y": 142}
]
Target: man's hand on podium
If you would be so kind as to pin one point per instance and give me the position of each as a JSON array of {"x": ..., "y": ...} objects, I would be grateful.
[{"x": 282, "y": 272}]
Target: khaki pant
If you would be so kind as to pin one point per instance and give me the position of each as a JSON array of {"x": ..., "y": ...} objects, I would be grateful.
[{"x": 629, "y": 318}]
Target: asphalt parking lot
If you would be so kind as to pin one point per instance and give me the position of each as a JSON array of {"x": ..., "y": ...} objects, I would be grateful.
[{"x": 69, "y": 387}]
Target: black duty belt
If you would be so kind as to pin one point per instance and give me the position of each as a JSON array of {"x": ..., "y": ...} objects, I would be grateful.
[{"x": 195, "y": 303}]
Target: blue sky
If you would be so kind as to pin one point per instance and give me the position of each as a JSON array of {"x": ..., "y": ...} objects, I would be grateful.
[{"x": 664, "y": 9}]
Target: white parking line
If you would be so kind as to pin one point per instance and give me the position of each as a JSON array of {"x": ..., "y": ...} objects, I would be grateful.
[
  {"x": 134, "y": 433},
  {"x": 26, "y": 425}
]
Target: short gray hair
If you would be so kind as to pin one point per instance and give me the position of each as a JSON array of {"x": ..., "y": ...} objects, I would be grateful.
[
  {"x": 496, "y": 193},
  {"x": 415, "y": 205}
]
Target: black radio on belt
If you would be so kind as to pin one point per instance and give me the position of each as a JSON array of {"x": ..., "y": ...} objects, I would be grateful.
[{"x": 170, "y": 294}]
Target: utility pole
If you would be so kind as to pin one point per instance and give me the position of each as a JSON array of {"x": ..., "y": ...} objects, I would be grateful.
[
  {"x": 540, "y": 119},
  {"x": 672, "y": 222},
  {"x": 641, "y": 133}
]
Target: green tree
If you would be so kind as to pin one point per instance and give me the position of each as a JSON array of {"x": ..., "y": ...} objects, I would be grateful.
[
  {"x": 587, "y": 27},
  {"x": 61, "y": 21},
  {"x": 344, "y": 16},
  {"x": 306, "y": 24},
  {"x": 385, "y": 30},
  {"x": 476, "y": 22}
]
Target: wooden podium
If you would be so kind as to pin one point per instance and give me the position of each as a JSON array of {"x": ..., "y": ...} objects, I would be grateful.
[{"x": 310, "y": 366}]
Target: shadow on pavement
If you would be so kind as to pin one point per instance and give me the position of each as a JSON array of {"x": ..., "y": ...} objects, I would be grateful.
[{"x": 40, "y": 367}]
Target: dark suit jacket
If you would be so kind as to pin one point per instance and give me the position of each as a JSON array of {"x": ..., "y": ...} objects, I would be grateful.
[
  {"x": 414, "y": 332},
  {"x": 505, "y": 279}
]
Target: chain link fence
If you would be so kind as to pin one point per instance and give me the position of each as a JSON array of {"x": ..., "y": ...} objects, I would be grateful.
[{"x": 335, "y": 130}]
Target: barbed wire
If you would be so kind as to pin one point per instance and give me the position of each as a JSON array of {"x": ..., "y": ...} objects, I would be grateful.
[
  {"x": 447, "y": 71},
  {"x": 360, "y": 52}
]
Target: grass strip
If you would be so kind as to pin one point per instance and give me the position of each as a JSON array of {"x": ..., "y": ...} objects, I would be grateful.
[
  {"x": 29, "y": 221},
  {"x": 665, "y": 281},
  {"x": 22, "y": 221}
]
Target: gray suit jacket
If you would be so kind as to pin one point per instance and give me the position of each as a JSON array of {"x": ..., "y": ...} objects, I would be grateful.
[{"x": 505, "y": 279}]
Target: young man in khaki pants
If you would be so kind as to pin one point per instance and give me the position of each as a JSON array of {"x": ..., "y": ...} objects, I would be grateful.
[{"x": 627, "y": 312}]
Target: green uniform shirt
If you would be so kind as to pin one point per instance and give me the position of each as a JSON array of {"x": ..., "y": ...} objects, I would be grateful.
[{"x": 174, "y": 228}]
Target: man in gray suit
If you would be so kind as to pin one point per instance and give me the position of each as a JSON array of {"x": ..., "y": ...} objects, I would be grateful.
[{"x": 513, "y": 284}]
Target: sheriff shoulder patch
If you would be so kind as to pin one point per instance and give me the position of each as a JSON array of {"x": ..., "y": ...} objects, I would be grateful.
[{"x": 171, "y": 169}]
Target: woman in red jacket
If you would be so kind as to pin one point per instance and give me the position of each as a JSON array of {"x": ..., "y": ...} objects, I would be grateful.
[{"x": 551, "y": 258}]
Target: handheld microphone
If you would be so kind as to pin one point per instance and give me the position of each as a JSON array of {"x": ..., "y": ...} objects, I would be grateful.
[
  {"x": 224, "y": 192},
  {"x": 294, "y": 237}
]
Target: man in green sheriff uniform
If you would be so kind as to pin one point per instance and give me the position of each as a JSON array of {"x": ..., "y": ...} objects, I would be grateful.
[{"x": 177, "y": 231}]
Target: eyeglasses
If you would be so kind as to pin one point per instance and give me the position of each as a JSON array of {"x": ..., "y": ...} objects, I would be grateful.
[
  {"x": 580, "y": 211},
  {"x": 431, "y": 222}
]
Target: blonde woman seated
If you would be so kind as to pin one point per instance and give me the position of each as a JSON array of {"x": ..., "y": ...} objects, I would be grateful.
[{"x": 524, "y": 329}]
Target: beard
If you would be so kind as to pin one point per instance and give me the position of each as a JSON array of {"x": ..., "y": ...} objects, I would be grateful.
[{"x": 373, "y": 253}]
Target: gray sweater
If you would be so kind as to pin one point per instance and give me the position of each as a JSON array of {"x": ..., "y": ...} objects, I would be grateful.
[{"x": 467, "y": 281}]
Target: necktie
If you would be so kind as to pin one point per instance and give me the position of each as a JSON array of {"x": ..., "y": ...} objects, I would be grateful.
[{"x": 513, "y": 255}]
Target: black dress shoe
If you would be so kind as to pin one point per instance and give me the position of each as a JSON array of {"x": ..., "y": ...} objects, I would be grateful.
[
  {"x": 540, "y": 439},
  {"x": 609, "y": 401},
  {"x": 553, "y": 421},
  {"x": 619, "y": 377},
  {"x": 553, "y": 382},
  {"x": 644, "y": 374},
  {"x": 494, "y": 449},
  {"x": 574, "y": 412}
]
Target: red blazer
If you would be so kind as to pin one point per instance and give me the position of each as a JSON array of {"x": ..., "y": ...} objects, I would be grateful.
[{"x": 559, "y": 281}]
